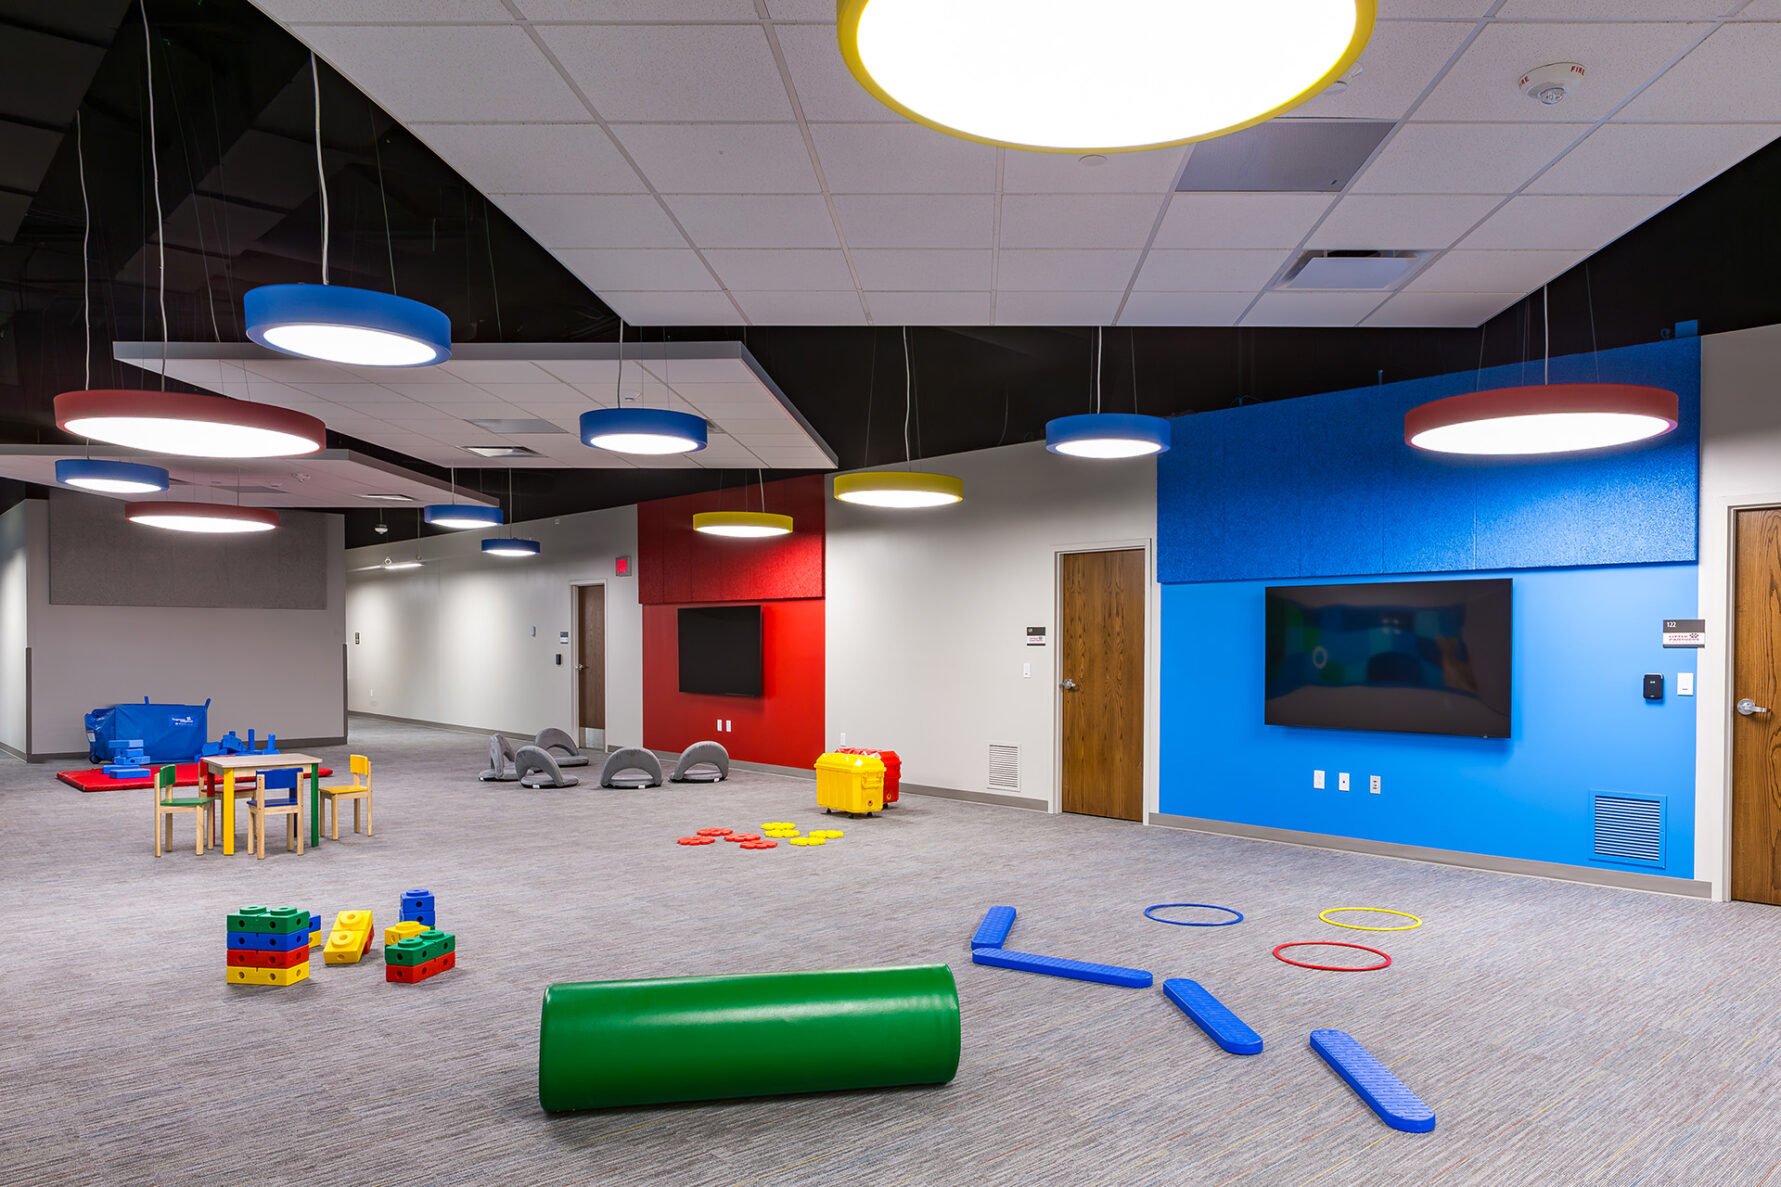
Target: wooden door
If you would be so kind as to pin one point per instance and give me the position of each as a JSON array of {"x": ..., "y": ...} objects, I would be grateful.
[
  {"x": 590, "y": 655},
  {"x": 1101, "y": 674},
  {"x": 1756, "y": 736}
]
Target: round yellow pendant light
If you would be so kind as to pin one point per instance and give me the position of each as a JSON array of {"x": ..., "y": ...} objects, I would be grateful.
[
  {"x": 899, "y": 488},
  {"x": 742, "y": 524},
  {"x": 1114, "y": 76}
]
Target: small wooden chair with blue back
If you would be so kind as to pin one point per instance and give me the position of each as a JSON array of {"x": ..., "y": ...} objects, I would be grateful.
[
  {"x": 286, "y": 779},
  {"x": 167, "y": 805}
]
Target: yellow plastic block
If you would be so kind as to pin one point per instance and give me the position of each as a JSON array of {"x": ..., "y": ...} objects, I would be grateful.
[
  {"x": 396, "y": 933},
  {"x": 241, "y": 975},
  {"x": 315, "y": 939},
  {"x": 353, "y": 921},
  {"x": 349, "y": 938}
]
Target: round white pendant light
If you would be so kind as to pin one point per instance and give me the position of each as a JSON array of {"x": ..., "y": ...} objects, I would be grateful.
[
  {"x": 204, "y": 518},
  {"x": 1541, "y": 419},
  {"x": 742, "y": 524},
  {"x": 899, "y": 488},
  {"x": 1117, "y": 75},
  {"x": 643, "y": 430},
  {"x": 189, "y": 425},
  {"x": 511, "y": 547},
  {"x": 358, "y": 327},
  {"x": 111, "y": 478},
  {"x": 396, "y": 566}
]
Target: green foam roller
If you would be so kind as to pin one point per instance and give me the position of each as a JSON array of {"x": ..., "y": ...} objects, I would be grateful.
[{"x": 604, "y": 1044}]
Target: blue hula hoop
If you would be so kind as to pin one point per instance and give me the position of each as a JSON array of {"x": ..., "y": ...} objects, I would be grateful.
[{"x": 1193, "y": 923}]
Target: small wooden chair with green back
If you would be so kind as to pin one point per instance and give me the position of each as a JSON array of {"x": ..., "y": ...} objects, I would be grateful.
[
  {"x": 358, "y": 789},
  {"x": 167, "y": 805}
]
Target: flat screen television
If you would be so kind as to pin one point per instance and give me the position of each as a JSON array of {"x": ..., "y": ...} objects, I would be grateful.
[
  {"x": 1422, "y": 657},
  {"x": 720, "y": 650}
]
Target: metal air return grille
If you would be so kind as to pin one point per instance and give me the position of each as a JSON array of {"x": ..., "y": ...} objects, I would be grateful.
[
  {"x": 1629, "y": 828},
  {"x": 1004, "y": 767}
]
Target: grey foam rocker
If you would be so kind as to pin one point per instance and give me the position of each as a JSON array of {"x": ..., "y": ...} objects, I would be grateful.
[
  {"x": 550, "y": 738},
  {"x": 708, "y": 755},
  {"x": 631, "y": 759},
  {"x": 538, "y": 769},
  {"x": 500, "y": 754}
]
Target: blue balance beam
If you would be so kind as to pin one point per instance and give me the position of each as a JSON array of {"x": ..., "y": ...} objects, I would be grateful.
[
  {"x": 1211, "y": 1016},
  {"x": 1373, "y": 1082},
  {"x": 1052, "y": 966}
]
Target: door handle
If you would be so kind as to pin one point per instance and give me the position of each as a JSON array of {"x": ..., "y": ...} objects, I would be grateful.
[
  {"x": 1749, "y": 708},
  {"x": 581, "y": 667},
  {"x": 1068, "y": 685}
]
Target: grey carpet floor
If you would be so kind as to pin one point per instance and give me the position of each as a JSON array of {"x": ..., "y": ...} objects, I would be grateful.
[{"x": 1563, "y": 1033}]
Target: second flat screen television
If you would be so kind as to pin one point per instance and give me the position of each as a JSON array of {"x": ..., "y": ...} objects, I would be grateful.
[
  {"x": 1425, "y": 657},
  {"x": 720, "y": 650}
]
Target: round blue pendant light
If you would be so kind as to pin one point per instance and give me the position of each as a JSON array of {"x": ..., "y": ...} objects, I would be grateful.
[
  {"x": 109, "y": 477},
  {"x": 1107, "y": 435},
  {"x": 511, "y": 547},
  {"x": 355, "y": 326},
  {"x": 643, "y": 430},
  {"x": 463, "y": 515}
]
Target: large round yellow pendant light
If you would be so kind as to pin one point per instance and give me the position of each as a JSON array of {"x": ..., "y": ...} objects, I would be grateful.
[
  {"x": 902, "y": 489},
  {"x": 744, "y": 525},
  {"x": 1113, "y": 76}
]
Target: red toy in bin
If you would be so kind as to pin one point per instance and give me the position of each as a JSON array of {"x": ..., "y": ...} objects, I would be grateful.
[{"x": 893, "y": 768}]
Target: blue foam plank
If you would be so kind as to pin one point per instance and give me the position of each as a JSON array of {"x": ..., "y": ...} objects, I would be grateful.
[
  {"x": 1211, "y": 1016},
  {"x": 1052, "y": 966},
  {"x": 993, "y": 931},
  {"x": 267, "y": 941},
  {"x": 1373, "y": 1082}
]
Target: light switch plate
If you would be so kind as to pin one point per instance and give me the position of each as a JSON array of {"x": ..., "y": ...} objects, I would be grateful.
[
  {"x": 1342, "y": 781},
  {"x": 1026, "y": 671},
  {"x": 1684, "y": 684},
  {"x": 1317, "y": 780}
]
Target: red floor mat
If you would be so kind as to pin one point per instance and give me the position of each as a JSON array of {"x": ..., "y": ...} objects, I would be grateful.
[{"x": 95, "y": 779}]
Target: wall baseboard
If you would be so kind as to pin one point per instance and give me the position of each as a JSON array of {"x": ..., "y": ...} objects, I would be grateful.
[
  {"x": 438, "y": 725},
  {"x": 15, "y": 752},
  {"x": 977, "y": 797},
  {"x": 1619, "y": 879},
  {"x": 310, "y": 743}
]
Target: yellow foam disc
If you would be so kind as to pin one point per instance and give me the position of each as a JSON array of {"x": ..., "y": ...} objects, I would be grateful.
[
  {"x": 1412, "y": 926},
  {"x": 779, "y": 824},
  {"x": 814, "y": 839},
  {"x": 802, "y": 841}
]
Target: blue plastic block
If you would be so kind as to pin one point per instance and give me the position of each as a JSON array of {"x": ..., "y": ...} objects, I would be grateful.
[
  {"x": 1373, "y": 1082},
  {"x": 115, "y": 772},
  {"x": 268, "y": 941},
  {"x": 993, "y": 931},
  {"x": 1211, "y": 1016},
  {"x": 417, "y": 907},
  {"x": 315, "y": 922},
  {"x": 1052, "y": 966}
]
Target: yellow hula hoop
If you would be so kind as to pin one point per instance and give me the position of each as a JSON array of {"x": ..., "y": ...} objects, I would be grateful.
[{"x": 1325, "y": 916}]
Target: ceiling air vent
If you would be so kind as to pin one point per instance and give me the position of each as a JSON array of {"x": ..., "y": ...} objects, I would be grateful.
[
  {"x": 502, "y": 450},
  {"x": 1349, "y": 270},
  {"x": 1004, "y": 766},
  {"x": 513, "y": 426},
  {"x": 1629, "y": 828},
  {"x": 1284, "y": 156}
]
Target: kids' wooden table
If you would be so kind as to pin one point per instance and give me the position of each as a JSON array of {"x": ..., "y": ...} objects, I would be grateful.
[{"x": 228, "y": 764}]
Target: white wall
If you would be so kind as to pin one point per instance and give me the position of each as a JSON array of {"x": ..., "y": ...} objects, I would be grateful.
[
  {"x": 927, "y": 612},
  {"x": 272, "y": 671},
  {"x": 452, "y": 642},
  {"x": 1740, "y": 467},
  {"x": 14, "y": 597}
]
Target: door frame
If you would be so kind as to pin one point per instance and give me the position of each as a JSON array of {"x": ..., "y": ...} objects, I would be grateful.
[
  {"x": 1151, "y": 701},
  {"x": 575, "y": 650}
]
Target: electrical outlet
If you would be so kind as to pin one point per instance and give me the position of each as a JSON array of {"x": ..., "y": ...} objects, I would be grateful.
[
  {"x": 1342, "y": 781},
  {"x": 843, "y": 737},
  {"x": 1317, "y": 780},
  {"x": 1026, "y": 671},
  {"x": 1373, "y": 784},
  {"x": 720, "y": 725}
]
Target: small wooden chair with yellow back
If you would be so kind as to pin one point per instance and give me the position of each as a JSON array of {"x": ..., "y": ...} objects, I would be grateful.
[
  {"x": 358, "y": 789},
  {"x": 167, "y": 806},
  {"x": 288, "y": 779}
]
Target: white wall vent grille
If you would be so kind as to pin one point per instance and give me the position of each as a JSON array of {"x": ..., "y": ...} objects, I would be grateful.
[
  {"x": 1629, "y": 828},
  {"x": 1004, "y": 766}
]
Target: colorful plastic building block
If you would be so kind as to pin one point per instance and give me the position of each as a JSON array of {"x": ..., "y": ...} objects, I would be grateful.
[
  {"x": 416, "y": 950},
  {"x": 397, "y": 932},
  {"x": 417, "y": 907},
  {"x": 239, "y": 975},
  {"x": 350, "y": 938},
  {"x": 267, "y": 946},
  {"x": 261, "y": 941},
  {"x": 276, "y": 921},
  {"x": 249, "y": 958},
  {"x": 408, "y": 974},
  {"x": 315, "y": 931}
]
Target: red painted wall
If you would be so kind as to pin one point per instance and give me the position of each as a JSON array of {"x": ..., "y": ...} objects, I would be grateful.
[
  {"x": 783, "y": 726},
  {"x": 678, "y": 565}
]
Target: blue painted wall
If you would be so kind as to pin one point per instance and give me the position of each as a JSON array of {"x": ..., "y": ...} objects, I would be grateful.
[{"x": 1325, "y": 486}]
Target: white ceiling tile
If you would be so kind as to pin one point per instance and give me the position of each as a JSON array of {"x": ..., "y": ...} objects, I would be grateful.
[
  {"x": 721, "y": 158},
  {"x": 919, "y": 269},
  {"x": 902, "y": 158},
  {"x": 1390, "y": 10},
  {"x": 1620, "y": 57},
  {"x": 634, "y": 269},
  {"x": 532, "y": 158},
  {"x": 1669, "y": 159},
  {"x": 827, "y": 90},
  {"x": 917, "y": 220},
  {"x": 382, "y": 12},
  {"x": 1116, "y": 173},
  {"x": 1559, "y": 223},
  {"x": 1078, "y": 220},
  {"x": 1056, "y": 309},
  {"x": 930, "y": 309},
  {"x": 1065, "y": 270},
  {"x": 777, "y": 220},
  {"x": 779, "y": 271},
  {"x": 592, "y": 220},
  {"x": 802, "y": 10},
  {"x": 673, "y": 72},
  {"x": 1400, "y": 61},
  {"x": 1760, "y": 10},
  {"x": 1441, "y": 309},
  {"x": 1239, "y": 220},
  {"x": 1729, "y": 78},
  {"x": 1616, "y": 10},
  {"x": 1184, "y": 309},
  {"x": 585, "y": 372},
  {"x": 1492, "y": 271},
  {"x": 419, "y": 72},
  {"x": 639, "y": 10},
  {"x": 477, "y": 370},
  {"x": 1208, "y": 271},
  {"x": 1464, "y": 158},
  {"x": 1311, "y": 309},
  {"x": 804, "y": 307},
  {"x": 1396, "y": 222}
]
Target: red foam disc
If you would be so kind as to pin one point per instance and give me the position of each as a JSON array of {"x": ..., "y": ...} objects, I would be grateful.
[
  {"x": 743, "y": 837},
  {"x": 1331, "y": 968},
  {"x": 759, "y": 844},
  {"x": 696, "y": 841},
  {"x": 714, "y": 832}
]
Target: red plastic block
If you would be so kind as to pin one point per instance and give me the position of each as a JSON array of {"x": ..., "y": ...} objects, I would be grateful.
[
  {"x": 249, "y": 958},
  {"x": 409, "y": 974}
]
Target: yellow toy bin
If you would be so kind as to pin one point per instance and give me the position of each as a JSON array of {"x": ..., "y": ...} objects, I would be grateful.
[{"x": 851, "y": 783}]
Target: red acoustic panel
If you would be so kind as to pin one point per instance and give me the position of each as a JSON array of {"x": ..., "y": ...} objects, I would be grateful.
[
  {"x": 676, "y": 565},
  {"x": 782, "y": 726}
]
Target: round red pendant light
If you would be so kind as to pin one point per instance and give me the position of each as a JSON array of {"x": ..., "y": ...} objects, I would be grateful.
[
  {"x": 189, "y": 425},
  {"x": 1549, "y": 418},
  {"x": 208, "y": 518}
]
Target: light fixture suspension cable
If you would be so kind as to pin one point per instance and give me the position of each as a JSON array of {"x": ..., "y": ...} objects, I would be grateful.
[
  {"x": 908, "y": 395},
  {"x": 618, "y": 384},
  {"x": 321, "y": 178},
  {"x": 154, "y": 160},
  {"x": 86, "y": 231},
  {"x": 1546, "y": 333},
  {"x": 1098, "y": 340}
]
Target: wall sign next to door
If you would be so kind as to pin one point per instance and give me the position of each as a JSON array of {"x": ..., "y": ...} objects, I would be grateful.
[
  {"x": 1035, "y": 636},
  {"x": 1685, "y": 632}
]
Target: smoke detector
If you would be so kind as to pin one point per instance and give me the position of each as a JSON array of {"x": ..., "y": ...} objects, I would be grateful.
[
  {"x": 382, "y": 529},
  {"x": 1550, "y": 84}
]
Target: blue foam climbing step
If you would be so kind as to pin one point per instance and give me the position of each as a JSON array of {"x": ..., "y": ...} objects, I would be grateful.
[
  {"x": 993, "y": 931},
  {"x": 1052, "y": 966},
  {"x": 1373, "y": 1082},
  {"x": 1211, "y": 1016}
]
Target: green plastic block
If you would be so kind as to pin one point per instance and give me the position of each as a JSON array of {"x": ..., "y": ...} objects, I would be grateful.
[
  {"x": 271, "y": 920},
  {"x": 417, "y": 949},
  {"x": 449, "y": 940}
]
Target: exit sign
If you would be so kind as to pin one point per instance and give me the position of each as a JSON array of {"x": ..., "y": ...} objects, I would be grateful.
[{"x": 621, "y": 567}]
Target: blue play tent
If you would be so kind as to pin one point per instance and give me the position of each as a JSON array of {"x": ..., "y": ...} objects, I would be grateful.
[{"x": 169, "y": 733}]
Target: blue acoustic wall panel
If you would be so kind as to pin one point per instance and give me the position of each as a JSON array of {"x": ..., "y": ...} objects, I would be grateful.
[
  {"x": 1583, "y": 639},
  {"x": 1325, "y": 486}
]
